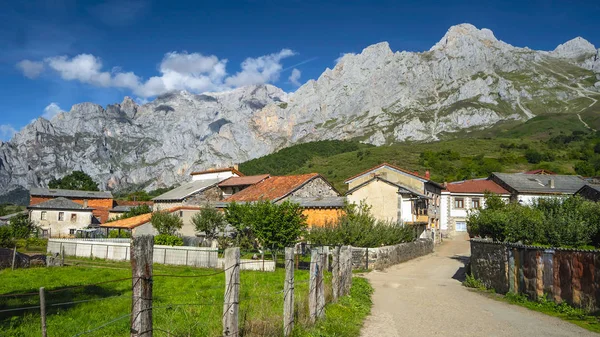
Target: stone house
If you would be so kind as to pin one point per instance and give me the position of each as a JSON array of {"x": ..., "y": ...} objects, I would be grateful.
[
  {"x": 320, "y": 201},
  {"x": 101, "y": 202},
  {"x": 397, "y": 195},
  {"x": 60, "y": 217},
  {"x": 461, "y": 197},
  {"x": 526, "y": 188},
  {"x": 234, "y": 185}
]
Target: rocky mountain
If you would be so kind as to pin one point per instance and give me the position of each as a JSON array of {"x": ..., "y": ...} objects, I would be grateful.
[{"x": 468, "y": 80}]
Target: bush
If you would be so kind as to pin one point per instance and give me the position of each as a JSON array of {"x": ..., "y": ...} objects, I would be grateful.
[
  {"x": 566, "y": 222},
  {"x": 210, "y": 221},
  {"x": 166, "y": 223},
  {"x": 114, "y": 234},
  {"x": 168, "y": 240},
  {"x": 357, "y": 227},
  {"x": 6, "y": 238},
  {"x": 21, "y": 227}
]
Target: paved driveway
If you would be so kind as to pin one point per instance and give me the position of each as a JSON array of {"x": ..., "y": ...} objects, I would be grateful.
[{"x": 424, "y": 297}]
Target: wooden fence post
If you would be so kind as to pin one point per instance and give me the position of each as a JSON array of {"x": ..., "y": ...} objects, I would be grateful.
[
  {"x": 288, "y": 291},
  {"x": 14, "y": 257},
  {"x": 142, "y": 250},
  {"x": 321, "y": 282},
  {"x": 348, "y": 271},
  {"x": 43, "y": 311},
  {"x": 232, "y": 292},
  {"x": 312, "y": 285},
  {"x": 335, "y": 273}
]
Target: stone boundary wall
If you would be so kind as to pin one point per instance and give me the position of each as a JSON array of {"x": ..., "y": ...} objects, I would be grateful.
[
  {"x": 562, "y": 275},
  {"x": 21, "y": 260},
  {"x": 384, "y": 257}
]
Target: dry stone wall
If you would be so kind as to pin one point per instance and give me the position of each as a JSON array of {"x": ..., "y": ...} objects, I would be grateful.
[
  {"x": 384, "y": 257},
  {"x": 562, "y": 275}
]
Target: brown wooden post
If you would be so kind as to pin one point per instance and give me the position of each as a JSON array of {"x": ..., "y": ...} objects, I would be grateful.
[
  {"x": 288, "y": 293},
  {"x": 232, "y": 292},
  {"x": 43, "y": 312},
  {"x": 142, "y": 250},
  {"x": 14, "y": 257},
  {"x": 335, "y": 273},
  {"x": 348, "y": 271}
]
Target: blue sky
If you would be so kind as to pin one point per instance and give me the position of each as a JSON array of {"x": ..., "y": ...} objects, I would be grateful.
[{"x": 58, "y": 53}]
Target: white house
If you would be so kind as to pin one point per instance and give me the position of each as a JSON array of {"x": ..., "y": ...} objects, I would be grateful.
[
  {"x": 60, "y": 217},
  {"x": 461, "y": 197}
]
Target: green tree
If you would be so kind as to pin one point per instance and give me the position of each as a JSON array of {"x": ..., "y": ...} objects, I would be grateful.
[
  {"x": 210, "y": 221},
  {"x": 21, "y": 227},
  {"x": 77, "y": 180},
  {"x": 166, "y": 223}
]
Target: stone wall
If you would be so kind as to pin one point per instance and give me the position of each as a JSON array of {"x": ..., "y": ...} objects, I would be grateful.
[
  {"x": 563, "y": 275},
  {"x": 313, "y": 189},
  {"x": 21, "y": 260},
  {"x": 384, "y": 257}
]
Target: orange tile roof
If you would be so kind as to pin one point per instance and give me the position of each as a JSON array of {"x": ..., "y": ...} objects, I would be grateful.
[
  {"x": 243, "y": 181},
  {"x": 225, "y": 169},
  {"x": 386, "y": 164},
  {"x": 273, "y": 188},
  {"x": 101, "y": 213},
  {"x": 476, "y": 186},
  {"x": 139, "y": 220}
]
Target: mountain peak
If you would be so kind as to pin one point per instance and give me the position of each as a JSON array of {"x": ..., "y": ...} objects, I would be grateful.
[
  {"x": 457, "y": 36},
  {"x": 574, "y": 48}
]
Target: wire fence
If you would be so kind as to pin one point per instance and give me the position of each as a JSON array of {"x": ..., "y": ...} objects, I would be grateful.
[{"x": 250, "y": 301}]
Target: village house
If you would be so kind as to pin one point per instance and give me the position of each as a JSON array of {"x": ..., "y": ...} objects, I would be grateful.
[
  {"x": 99, "y": 202},
  {"x": 320, "y": 201},
  {"x": 461, "y": 197},
  {"x": 123, "y": 206},
  {"x": 137, "y": 225},
  {"x": 397, "y": 195},
  {"x": 202, "y": 189},
  {"x": 60, "y": 217},
  {"x": 526, "y": 188}
]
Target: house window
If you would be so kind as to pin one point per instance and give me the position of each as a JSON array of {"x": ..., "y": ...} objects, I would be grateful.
[
  {"x": 181, "y": 214},
  {"x": 45, "y": 233},
  {"x": 44, "y": 215},
  {"x": 475, "y": 203},
  {"x": 61, "y": 216},
  {"x": 73, "y": 217},
  {"x": 72, "y": 231},
  {"x": 459, "y": 203}
]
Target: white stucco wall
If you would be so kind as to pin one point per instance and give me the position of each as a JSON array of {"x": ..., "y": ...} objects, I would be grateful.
[
  {"x": 381, "y": 196},
  {"x": 60, "y": 228},
  {"x": 444, "y": 216},
  {"x": 406, "y": 209}
]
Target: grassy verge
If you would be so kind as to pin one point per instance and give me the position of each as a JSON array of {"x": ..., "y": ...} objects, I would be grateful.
[
  {"x": 344, "y": 318},
  {"x": 579, "y": 317},
  {"x": 188, "y": 305}
]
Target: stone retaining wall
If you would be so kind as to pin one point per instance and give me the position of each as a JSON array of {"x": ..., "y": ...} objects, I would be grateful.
[
  {"x": 383, "y": 257},
  {"x": 563, "y": 275}
]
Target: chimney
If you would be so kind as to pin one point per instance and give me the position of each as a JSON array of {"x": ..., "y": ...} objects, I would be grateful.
[
  {"x": 236, "y": 167},
  {"x": 427, "y": 175},
  {"x": 551, "y": 183},
  {"x": 445, "y": 184},
  {"x": 85, "y": 203}
]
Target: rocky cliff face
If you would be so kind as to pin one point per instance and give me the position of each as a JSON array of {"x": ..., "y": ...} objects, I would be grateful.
[{"x": 468, "y": 80}]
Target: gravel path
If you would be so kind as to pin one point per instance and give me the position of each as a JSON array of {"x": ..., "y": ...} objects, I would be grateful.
[{"x": 424, "y": 297}]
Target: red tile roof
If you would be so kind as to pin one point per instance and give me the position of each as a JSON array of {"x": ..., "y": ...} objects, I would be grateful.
[
  {"x": 243, "y": 181},
  {"x": 389, "y": 165},
  {"x": 273, "y": 188},
  {"x": 476, "y": 186},
  {"x": 139, "y": 220},
  {"x": 225, "y": 169}
]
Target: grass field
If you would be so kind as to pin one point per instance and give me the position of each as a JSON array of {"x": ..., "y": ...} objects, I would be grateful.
[{"x": 187, "y": 305}]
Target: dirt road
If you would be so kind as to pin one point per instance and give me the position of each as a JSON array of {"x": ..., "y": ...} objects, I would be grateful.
[{"x": 424, "y": 297}]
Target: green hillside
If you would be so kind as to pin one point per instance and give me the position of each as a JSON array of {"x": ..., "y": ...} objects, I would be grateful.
[{"x": 558, "y": 142}]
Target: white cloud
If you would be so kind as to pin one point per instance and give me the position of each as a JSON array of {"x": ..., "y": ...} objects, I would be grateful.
[
  {"x": 51, "y": 110},
  {"x": 84, "y": 68},
  {"x": 295, "y": 76},
  {"x": 178, "y": 71},
  {"x": 7, "y": 132},
  {"x": 259, "y": 70},
  {"x": 31, "y": 69}
]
